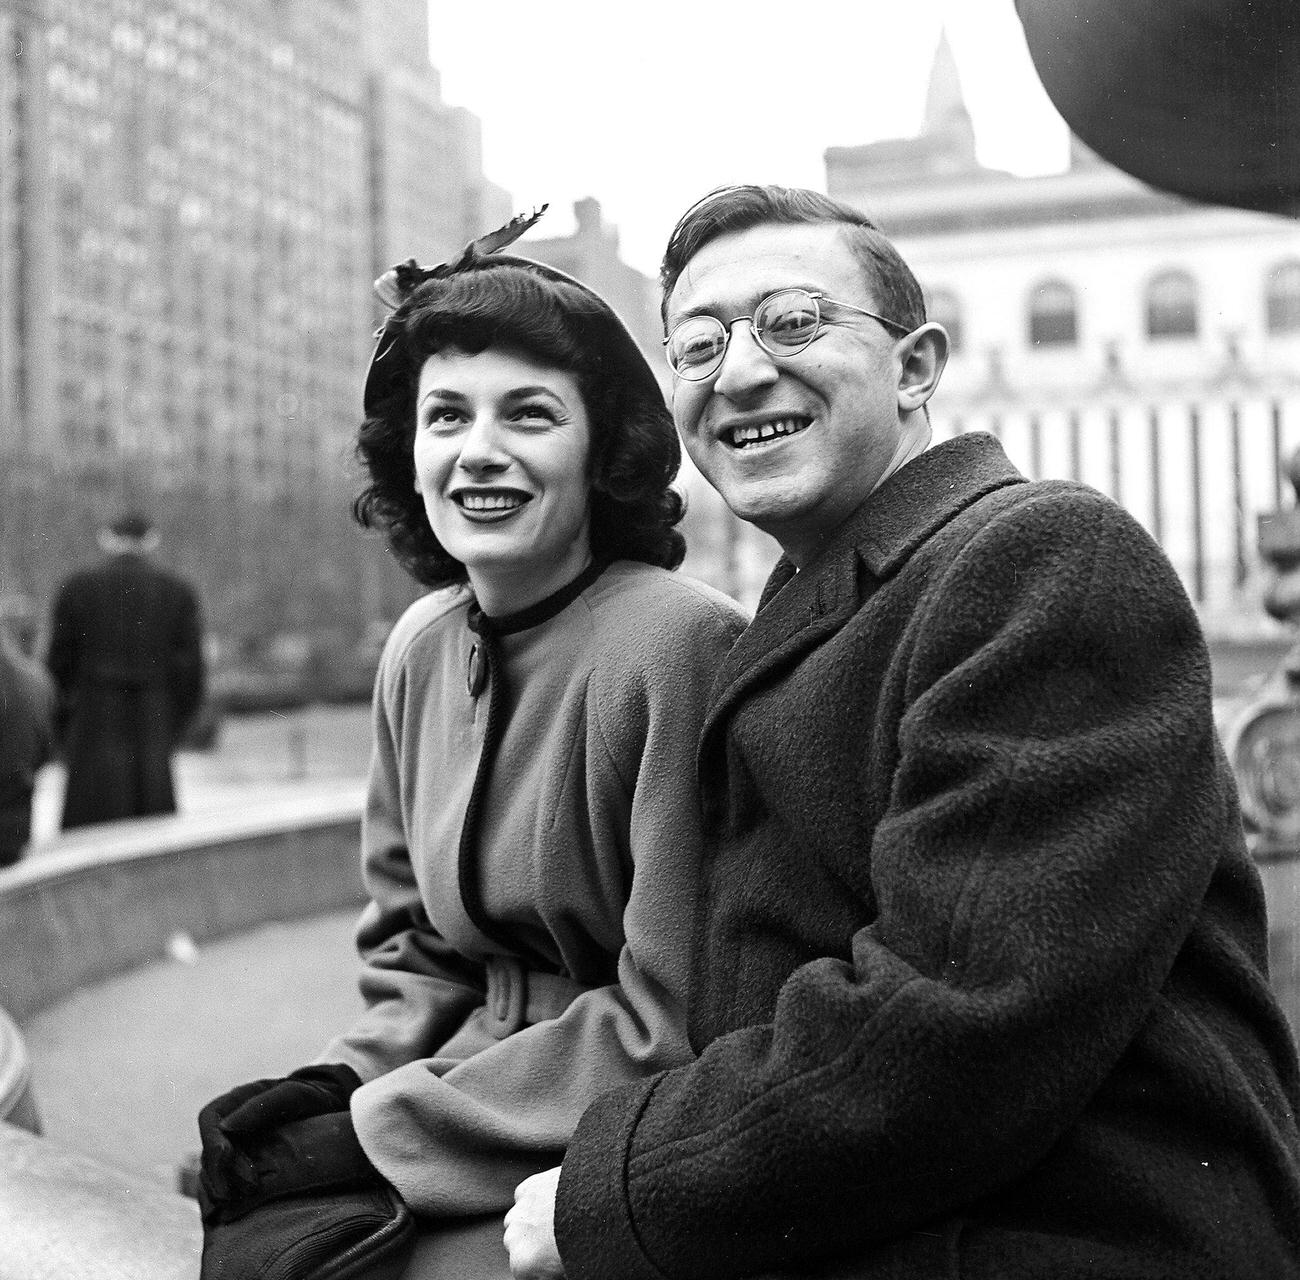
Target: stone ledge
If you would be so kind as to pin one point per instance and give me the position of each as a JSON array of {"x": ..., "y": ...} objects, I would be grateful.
[
  {"x": 72, "y": 851},
  {"x": 97, "y": 902},
  {"x": 63, "y": 1215}
]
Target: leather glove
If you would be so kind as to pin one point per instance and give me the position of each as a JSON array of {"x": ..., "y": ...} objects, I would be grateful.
[
  {"x": 312, "y": 1207},
  {"x": 231, "y": 1125}
]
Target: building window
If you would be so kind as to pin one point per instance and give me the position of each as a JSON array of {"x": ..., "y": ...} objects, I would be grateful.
[
  {"x": 1171, "y": 306},
  {"x": 1053, "y": 315},
  {"x": 1282, "y": 298},
  {"x": 942, "y": 306}
]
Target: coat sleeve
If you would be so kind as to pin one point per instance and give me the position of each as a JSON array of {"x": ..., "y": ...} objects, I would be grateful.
[
  {"x": 1058, "y": 805},
  {"x": 62, "y": 651},
  {"x": 186, "y": 670},
  {"x": 460, "y": 1142},
  {"x": 417, "y": 988}
]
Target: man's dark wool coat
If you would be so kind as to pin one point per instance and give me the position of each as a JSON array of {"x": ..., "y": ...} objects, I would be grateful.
[
  {"x": 981, "y": 985},
  {"x": 126, "y": 654}
]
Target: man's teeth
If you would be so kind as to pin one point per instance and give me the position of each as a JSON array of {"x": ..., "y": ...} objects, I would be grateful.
[
  {"x": 490, "y": 501},
  {"x": 766, "y": 430}
]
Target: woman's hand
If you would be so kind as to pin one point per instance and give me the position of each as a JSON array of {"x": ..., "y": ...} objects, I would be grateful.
[{"x": 530, "y": 1229}]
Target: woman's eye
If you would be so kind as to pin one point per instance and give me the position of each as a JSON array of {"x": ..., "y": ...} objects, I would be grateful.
[
  {"x": 445, "y": 417},
  {"x": 535, "y": 413}
]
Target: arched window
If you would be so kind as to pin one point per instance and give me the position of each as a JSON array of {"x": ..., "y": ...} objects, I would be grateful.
[
  {"x": 943, "y": 306},
  {"x": 1282, "y": 298},
  {"x": 1171, "y": 306},
  {"x": 1053, "y": 315}
]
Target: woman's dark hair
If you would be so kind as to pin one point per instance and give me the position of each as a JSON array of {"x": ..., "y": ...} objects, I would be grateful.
[
  {"x": 738, "y": 208},
  {"x": 512, "y": 304}
]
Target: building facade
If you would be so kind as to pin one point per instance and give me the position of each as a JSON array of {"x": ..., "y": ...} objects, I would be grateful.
[
  {"x": 195, "y": 197},
  {"x": 428, "y": 192},
  {"x": 1106, "y": 332}
]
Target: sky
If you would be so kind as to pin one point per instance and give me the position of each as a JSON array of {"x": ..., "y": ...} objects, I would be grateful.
[{"x": 646, "y": 106}]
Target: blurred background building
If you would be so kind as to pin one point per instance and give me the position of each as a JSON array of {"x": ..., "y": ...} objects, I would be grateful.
[
  {"x": 1143, "y": 343},
  {"x": 194, "y": 200}
]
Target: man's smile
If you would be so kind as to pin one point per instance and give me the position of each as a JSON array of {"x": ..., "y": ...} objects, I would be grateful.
[{"x": 753, "y": 434}]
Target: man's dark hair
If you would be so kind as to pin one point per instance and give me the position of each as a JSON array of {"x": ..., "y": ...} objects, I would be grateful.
[
  {"x": 634, "y": 448},
  {"x": 894, "y": 288}
]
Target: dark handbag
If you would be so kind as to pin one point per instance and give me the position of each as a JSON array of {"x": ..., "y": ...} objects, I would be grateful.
[{"x": 357, "y": 1234}]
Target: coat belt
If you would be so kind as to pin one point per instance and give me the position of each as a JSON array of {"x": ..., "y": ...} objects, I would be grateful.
[{"x": 517, "y": 996}]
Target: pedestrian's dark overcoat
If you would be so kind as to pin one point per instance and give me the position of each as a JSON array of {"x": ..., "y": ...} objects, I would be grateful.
[
  {"x": 981, "y": 981},
  {"x": 126, "y": 654}
]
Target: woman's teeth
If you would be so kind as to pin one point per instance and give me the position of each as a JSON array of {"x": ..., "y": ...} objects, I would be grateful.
[
  {"x": 490, "y": 501},
  {"x": 742, "y": 436}
]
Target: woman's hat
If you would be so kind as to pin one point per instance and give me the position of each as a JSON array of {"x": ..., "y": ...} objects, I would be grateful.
[{"x": 389, "y": 362}]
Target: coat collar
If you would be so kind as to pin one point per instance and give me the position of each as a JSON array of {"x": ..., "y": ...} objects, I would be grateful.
[{"x": 797, "y": 610}]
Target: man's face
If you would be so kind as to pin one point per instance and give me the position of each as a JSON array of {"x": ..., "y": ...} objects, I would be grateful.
[{"x": 830, "y": 412}]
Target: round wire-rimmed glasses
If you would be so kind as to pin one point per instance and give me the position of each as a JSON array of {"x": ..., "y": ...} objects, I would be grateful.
[{"x": 783, "y": 324}]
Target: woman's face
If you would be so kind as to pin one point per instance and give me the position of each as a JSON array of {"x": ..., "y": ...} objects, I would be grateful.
[{"x": 501, "y": 450}]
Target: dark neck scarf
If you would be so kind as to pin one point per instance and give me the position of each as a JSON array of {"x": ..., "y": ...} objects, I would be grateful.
[{"x": 486, "y": 669}]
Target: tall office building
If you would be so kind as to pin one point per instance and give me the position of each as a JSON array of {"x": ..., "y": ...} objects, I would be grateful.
[
  {"x": 428, "y": 192},
  {"x": 194, "y": 195},
  {"x": 24, "y": 210}
]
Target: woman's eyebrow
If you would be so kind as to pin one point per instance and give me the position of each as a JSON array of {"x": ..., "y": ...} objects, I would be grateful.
[
  {"x": 522, "y": 393},
  {"x": 443, "y": 393}
]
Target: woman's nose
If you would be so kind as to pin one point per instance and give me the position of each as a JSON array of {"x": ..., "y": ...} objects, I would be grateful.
[
  {"x": 481, "y": 446},
  {"x": 746, "y": 368}
]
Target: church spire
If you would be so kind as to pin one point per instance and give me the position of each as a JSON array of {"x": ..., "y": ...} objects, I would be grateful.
[
  {"x": 947, "y": 121},
  {"x": 944, "y": 103}
]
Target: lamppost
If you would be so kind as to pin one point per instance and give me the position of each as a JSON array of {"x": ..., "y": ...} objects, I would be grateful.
[{"x": 1263, "y": 744}]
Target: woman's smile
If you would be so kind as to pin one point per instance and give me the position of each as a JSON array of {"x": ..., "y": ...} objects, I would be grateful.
[{"x": 484, "y": 504}]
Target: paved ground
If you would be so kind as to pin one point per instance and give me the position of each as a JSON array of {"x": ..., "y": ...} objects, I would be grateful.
[{"x": 121, "y": 1069}]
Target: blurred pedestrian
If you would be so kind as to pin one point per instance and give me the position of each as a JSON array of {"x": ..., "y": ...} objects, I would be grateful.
[
  {"x": 126, "y": 654},
  {"x": 26, "y": 741}
]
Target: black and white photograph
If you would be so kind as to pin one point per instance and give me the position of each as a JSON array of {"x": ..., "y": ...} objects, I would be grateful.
[{"x": 652, "y": 642}]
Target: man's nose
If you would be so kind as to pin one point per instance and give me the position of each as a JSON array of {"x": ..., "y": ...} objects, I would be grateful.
[{"x": 746, "y": 368}]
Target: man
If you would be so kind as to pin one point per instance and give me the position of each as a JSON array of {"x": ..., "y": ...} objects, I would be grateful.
[
  {"x": 26, "y": 740},
  {"x": 980, "y": 985},
  {"x": 126, "y": 655}
]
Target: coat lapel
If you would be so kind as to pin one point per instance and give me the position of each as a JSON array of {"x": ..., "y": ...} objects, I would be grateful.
[{"x": 798, "y": 614}]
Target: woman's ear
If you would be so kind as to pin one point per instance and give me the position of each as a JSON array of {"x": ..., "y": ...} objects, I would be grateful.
[{"x": 923, "y": 353}]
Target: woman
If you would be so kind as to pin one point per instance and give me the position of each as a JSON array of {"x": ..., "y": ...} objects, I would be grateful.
[{"x": 531, "y": 836}]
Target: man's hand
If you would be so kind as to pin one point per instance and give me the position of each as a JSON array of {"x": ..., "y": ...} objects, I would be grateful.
[{"x": 530, "y": 1229}]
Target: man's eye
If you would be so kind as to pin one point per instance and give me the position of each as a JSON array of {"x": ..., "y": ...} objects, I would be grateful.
[
  {"x": 790, "y": 323},
  {"x": 698, "y": 348}
]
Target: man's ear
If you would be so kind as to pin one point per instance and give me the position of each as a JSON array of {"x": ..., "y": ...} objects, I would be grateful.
[{"x": 924, "y": 353}]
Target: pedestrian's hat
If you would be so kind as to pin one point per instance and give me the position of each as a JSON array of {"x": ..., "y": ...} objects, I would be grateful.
[{"x": 131, "y": 524}]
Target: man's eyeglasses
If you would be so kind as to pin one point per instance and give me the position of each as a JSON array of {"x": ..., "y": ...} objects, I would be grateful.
[{"x": 783, "y": 324}]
